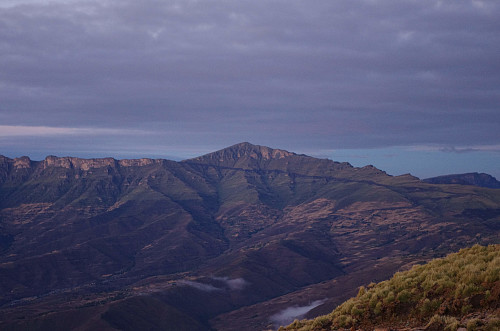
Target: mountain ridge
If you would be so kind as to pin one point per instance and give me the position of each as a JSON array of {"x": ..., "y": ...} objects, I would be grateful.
[
  {"x": 281, "y": 226},
  {"x": 78, "y": 163},
  {"x": 232, "y": 153},
  {"x": 471, "y": 178}
]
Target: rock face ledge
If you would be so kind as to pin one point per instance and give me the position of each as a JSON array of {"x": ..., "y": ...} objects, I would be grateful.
[{"x": 78, "y": 163}]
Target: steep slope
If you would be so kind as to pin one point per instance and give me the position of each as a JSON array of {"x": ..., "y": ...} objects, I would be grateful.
[
  {"x": 216, "y": 237},
  {"x": 473, "y": 178},
  {"x": 443, "y": 294},
  {"x": 93, "y": 219}
]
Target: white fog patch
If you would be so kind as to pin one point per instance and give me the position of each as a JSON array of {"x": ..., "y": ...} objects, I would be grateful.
[
  {"x": 289, "y": 314},
  {"x": 200, "y": 286},
  {"x": 233, "y": 284}
]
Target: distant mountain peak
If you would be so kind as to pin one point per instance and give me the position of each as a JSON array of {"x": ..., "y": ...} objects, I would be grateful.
[
  {"x": 471, "y": 178},
  {"x": 244, "y": 150},
  {"x": 257, "y": 151}
]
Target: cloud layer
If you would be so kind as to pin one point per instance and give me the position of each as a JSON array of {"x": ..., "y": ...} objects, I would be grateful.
[
  {"x": 233, "y": 284},
  {"x": 46, "y": 131},
  {"x": 291, "y": 74},
  {"x": 288, "y": 315}
]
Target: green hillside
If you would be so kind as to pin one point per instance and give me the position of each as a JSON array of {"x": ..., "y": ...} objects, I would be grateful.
[{"x": 460, "y": 290}]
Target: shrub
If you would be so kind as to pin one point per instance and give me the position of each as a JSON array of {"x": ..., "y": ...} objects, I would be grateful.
[
  {"x": 344, "y": 321},
  {"x": 447, "y": 323},
  {"x": 389, "y": 298},
  {"x": 426, "y": 307},
  {"x": 361, "y": 291},
  {"x": 373, "y": 302},
  {"x": 443, "y": 286},
  {"x": 356, "y": 312},
  {"x": 404, "y": 296},
  {"x": 473, "y": 324},
  {"x": 378, "y": 308},
  {"x": 493, "y": 325},
  {"x": 321, "y": 322},
  {"x": 466, "y": 309}
]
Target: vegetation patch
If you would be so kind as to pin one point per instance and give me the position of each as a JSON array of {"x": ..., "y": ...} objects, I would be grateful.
[{"x": 444, "y": 294}]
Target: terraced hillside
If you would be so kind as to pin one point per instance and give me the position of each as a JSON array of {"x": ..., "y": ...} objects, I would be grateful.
[{"x": 226, "y": 241}]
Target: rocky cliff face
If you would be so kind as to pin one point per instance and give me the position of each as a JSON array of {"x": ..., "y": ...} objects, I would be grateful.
[{"x": 225, "y": 240}]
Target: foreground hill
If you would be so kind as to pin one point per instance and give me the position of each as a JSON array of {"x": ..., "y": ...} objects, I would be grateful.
[
  {"x": 461, "y": 290},
  {"x": 473, "y": 178},
  {"x": 228, "y": 240}
]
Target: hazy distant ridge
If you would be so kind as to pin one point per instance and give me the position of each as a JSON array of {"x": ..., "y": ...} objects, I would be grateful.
[{"x": 471, "y": 178}]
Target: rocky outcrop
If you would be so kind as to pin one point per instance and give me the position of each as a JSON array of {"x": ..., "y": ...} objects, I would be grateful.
[
  {"x": 138, "y": 162},
  {"x": 77, "y": 163},
  {"x": 22, "y": 162},
  {"x": 25, "y": 162}
]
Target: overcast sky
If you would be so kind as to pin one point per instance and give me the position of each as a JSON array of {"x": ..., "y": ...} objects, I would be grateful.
[{"x": 409, "y": 86}]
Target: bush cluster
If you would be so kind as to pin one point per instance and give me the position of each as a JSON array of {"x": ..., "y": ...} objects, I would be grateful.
[{"x": 433, "y": 294}]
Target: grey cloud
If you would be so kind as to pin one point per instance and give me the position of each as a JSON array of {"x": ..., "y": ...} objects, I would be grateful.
[
  {"x": 41, "y": 131},
  {"x": 468, "y": 149},
  {"x": 453, "y": 149},
  {"x": 200, "y": 286},
  {"x": 330, "y": 74},
  {"x": 233, "y": 283}
]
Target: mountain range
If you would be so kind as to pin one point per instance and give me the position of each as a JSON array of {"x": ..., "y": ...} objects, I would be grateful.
[{"x": 245, "y": 238}]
